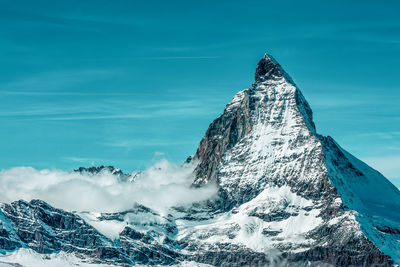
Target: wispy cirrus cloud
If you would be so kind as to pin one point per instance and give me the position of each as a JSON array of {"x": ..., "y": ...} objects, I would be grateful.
[
  {"x": 181, "y": 57},
  {"x": 150, "y": 142},
  {"x": 52, "y": 93},
  {"x": 108, "y": 109},
  {"x": 52, "y": 82},
  {"x": 82, "y": 160}
]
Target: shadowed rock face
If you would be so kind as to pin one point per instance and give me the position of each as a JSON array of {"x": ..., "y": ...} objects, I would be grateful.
[
  {"x": 236, "y": 122},
  {"x": 287, "y": 196},
  {"x": 268, "y": 68},
  {"x": 238, "y": 118},
  {"x": 44, "y": 229},
  {"x": 222, "y": 135}
]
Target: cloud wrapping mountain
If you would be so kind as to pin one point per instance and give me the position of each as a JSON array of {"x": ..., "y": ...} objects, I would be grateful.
[{"x": 160, "y": 186}]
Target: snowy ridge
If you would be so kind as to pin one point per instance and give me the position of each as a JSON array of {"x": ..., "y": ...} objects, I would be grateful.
[
  {"x": 287, "y": 218},
  {"x": 374, "y": 199}
]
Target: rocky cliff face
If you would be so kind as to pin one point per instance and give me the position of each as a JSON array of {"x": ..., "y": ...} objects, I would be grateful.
[
  {"x": 123, "y": 177},
  {"x": 286, "y": 196},
  {"x": 47, "y": 230},
  {"x": 281, "y": 151},
  {"x": 44, "y": 229}
]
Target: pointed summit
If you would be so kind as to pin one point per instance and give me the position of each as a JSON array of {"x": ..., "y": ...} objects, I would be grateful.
[
  {"x": 268, "y": 160},
  {"x": 269, "y": 68},
  {"x": 273, "y": 101}
]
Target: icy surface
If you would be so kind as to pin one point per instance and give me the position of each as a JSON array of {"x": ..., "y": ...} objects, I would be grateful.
[
  {"x": 370, "y": 194},
  {"x": 109, "y": 228},
  {"x": 29, "y": 258},
  {"x": 242, "y": 224}
]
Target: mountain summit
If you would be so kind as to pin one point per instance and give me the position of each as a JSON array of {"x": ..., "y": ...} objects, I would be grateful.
[
  {"x": 269, "y": 68},
  {"x": 265, "y": 154},
  {"x": 287, "y": 196},
  {"x": 273, "y": 101}
]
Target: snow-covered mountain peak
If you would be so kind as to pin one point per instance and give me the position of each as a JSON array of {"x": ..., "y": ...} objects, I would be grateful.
[
  {"x": 266, "y": 140},
  {"x": 273, "y": 105},
  {"x": 269, "y": 68}
]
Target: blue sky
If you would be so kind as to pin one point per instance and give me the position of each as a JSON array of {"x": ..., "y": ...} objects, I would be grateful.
[{"x": 126, "y": 83}]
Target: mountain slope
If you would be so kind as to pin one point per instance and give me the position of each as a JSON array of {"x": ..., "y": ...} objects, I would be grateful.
[
  {"x": 269, "y": 141},
  {"x": 286, "y": 196}
]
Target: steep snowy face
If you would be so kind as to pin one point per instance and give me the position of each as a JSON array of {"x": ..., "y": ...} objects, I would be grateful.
[
  {"x": 287, "y": 188},
  {"x": 374, "y": 199},
  {"x": 266, "y": 136}
]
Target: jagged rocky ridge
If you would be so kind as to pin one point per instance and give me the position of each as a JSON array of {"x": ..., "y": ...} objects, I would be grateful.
[
  {"x": 123, "y": 177},
  {"x": 286, "y": 195}
]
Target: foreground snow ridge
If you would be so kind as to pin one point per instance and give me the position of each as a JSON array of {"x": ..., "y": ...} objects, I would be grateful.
[{"x": 263, "y": 189}]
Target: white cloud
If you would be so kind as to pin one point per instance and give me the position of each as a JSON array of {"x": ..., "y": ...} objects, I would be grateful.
[{"x": 160, "y": 186}]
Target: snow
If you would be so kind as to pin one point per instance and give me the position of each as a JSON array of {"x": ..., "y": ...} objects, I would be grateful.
[
  {"x": 280, "y": 143},
  {"x": 29, "y": 258},
  {"x": 375, "y": 200},
  {"x": 109, "y": 228},
  {"x": 283, "y": 148},
  {"x": 245, "y": 227}
]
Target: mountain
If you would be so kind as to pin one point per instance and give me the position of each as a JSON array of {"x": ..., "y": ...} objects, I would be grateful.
[
  {"x": 287, "y": 196},
  {"x": 123, "y": 177},
  {"x": 319, "y": 202}
]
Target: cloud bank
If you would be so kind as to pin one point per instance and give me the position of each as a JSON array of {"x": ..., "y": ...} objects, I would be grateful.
[{"x": 160, "y": 186}]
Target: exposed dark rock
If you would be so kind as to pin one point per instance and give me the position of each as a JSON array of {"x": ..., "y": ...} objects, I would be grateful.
[
  {"x": 222, "y": 135},
  {"x": 38, "y": 226},
  {"x": 268, "y": 68},
  {"x": 96, "y": 170}
]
